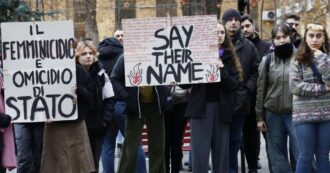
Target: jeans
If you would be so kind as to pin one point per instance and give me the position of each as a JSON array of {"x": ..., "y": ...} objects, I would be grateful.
[
  {"x": 235, "y": 140},
  {"x": 29, "y": 141},
  {"x": 313, "y": 139},
  {"x": 109, "y": 142},
  {"x": 279, "y": 127}
]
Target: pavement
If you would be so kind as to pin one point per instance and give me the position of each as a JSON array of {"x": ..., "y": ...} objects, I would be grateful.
[{"x": 263, "y": 161}]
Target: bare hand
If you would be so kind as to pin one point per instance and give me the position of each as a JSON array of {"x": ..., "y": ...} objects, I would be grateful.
[
  {"x": 220, "y": 64},
  {"x": 327, "y": 88},
  {"x": 316, "y": 52},
  {"x": 74, "y": 89},
  {"x": 173, "y": 83},
  {"x": 262, "y": 126}
]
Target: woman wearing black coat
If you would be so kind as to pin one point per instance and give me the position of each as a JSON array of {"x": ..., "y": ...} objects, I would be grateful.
[
  {"x": 100, "y": 104},
  {"x": 211, "y": 109}
]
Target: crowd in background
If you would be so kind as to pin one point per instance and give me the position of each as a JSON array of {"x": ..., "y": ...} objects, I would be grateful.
[{"x": 279, "y": 88}]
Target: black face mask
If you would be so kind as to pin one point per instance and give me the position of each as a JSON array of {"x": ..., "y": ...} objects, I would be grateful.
[{"x": 284, "y": 51}]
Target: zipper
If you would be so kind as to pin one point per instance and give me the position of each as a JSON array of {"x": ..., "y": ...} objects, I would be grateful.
[
  {"x": 138, "y": 99},
  {"x": 160, "y": 112},
  {"x": 283, "y": 80}
]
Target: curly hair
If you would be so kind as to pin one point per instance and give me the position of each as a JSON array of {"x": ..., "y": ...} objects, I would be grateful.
[{"x": 82, "y": 45}]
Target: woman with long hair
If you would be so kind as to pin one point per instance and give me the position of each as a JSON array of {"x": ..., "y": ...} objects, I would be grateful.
[
  {"x": 66, "y": 146},
  {"x": 210, "y": 109},
  {"x": 309, "y": 84},
  {"x": 274, "y": 100}
]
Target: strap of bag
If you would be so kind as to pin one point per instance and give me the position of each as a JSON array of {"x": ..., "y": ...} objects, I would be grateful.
[{"x": 316, "y": 73}]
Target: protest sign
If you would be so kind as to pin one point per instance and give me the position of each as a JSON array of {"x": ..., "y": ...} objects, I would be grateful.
[
  {"x": 39, "y": 71},
  {"x": 159, "y": 51}
]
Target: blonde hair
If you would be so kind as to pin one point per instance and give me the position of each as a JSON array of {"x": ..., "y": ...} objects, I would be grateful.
[{"x": 82, "y": 45}]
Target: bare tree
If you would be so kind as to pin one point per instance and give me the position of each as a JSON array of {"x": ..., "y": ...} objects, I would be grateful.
[{"x": 91, "y": 24}]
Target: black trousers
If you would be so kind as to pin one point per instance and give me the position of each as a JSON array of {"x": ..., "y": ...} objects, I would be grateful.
[
  {"x": 175, "y": 123},
  {"x": 251, "y": 137}
]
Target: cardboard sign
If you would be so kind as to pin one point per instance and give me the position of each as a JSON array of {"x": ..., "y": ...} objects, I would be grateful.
[
  {"x": 160, "y": 51},
  {"x": 39, "y": 71}
]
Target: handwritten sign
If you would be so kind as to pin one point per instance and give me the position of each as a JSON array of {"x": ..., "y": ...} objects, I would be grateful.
[
  {"x": 39, "y": 71},
  {"x": 159, "y": 51}
]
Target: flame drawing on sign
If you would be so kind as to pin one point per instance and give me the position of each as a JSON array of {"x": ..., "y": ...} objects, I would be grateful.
[
  {"x": 213, "y": 74},
  {"x": 135, "y": 75}
]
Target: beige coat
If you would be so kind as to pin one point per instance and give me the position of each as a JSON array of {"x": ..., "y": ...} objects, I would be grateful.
[{"x": 66, "y": 148}]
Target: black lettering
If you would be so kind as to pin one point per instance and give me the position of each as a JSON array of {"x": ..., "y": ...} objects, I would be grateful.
[
  {"x": 25, "y": 99},
  {"x": 177, "y": 36},
  {"x": 60, "y": 111},
  {"x": 39, "y": 32},
  {"x": 68, "y": 71},
  {"x": 187, "y": 56},
  {"x": 170, "y": 56},
  {"x": 4, "y": 49},
  {"x": 51, "y": 48},
  {"x": 12, "y": 51},
  {"x": 71, "y": 52},
  {"x": 31, "y": 30},
  {"x": 195, "y": 70},
  {"x": 151, "y": 72},
  {"x": 53, "y": 97},
  {"x": 40, "y": 77},
  {"x": 177, "y": 55},
  {"x": 18, "y": 82},
  {"x": 61, "y": 48},
  {"x": 184, "y": 70},
  {"x": 10, "y": 104},
  {"x": 170, "y": 70},
  {"x": 157, "y": 54},
  {"x": 157, "y": 35},
  {"x": 38, "y": 63},
  {"x": 19, "y": 47},
  {"x": 188, "y": 34},
  {"x": 43, "y": 108},
  {"x": 30, "y": 77},
  {"x": 43, "y": 49}
]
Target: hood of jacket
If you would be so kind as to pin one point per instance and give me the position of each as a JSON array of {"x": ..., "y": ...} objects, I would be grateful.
[{"x": 110, "y": 48}]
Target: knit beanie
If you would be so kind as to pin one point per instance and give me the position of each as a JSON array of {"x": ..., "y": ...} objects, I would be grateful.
[{"x": 229, "y": 14}]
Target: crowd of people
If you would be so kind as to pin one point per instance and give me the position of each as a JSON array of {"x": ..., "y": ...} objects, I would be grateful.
[{"x": 279, "y": 87}]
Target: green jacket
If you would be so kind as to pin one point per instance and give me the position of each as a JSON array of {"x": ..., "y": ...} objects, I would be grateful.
[{"x": 273, "y": 93}]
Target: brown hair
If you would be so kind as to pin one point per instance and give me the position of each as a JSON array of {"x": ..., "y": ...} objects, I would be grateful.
[
  {"x": 227, "y": 44},
  {"x": 304, "y": 53},
  {"x": 82, "y": 45},
  {"x": 291, "y": 16}
]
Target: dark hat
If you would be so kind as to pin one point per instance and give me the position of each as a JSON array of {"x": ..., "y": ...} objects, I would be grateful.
[{"x": 230, "y": 13}]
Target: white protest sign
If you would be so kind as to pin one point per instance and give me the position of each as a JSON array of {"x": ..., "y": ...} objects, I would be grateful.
[
  {"x": 39, "y": 71},
  {"x": 159, "y": 51}
]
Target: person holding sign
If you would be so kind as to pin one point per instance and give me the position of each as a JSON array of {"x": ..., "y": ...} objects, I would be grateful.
[
  {"x": 66, "y": 144},
  {"x": 143, "y": 104},
  {"x": 211, "y": 108},
  {"x": 100, "y": 105}
]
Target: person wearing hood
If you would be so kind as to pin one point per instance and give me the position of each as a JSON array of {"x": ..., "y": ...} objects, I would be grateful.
[
  {"x": 249, "y": 59},
  {"x": 274, "y": 100}
]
